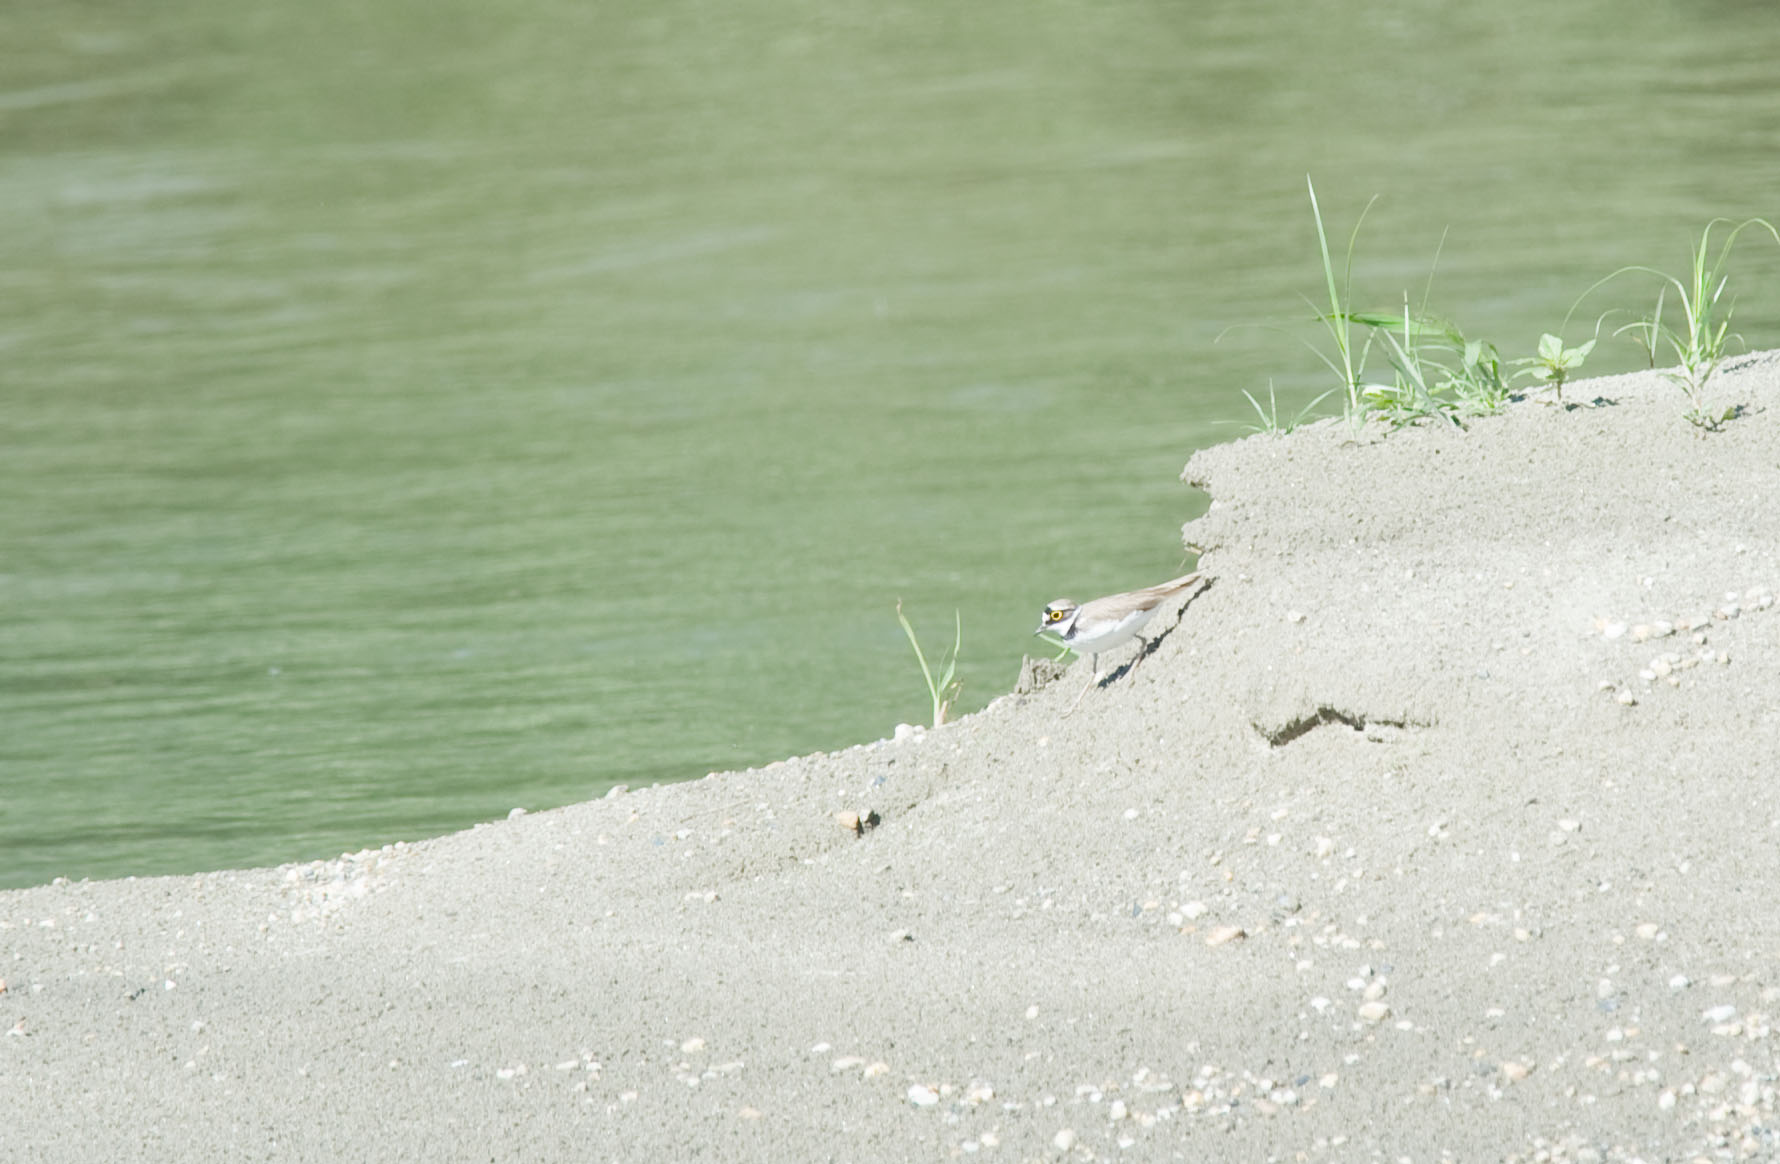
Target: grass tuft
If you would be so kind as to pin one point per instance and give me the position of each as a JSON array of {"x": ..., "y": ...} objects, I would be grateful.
[
  {"x": 1702, "y": 338},
  {"x": 1436, "y": 371}
]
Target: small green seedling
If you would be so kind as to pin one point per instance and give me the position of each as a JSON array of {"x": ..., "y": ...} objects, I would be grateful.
[
  {"x": 1405, "y": 398},
  {"x": 1269, "y": 416},
  {"x": 945, "y": 690},
  {"x": 1554, "y": 363},
  {"x": 1476, "y": 383}
]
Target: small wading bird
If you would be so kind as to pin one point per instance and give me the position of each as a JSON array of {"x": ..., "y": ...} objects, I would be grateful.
[{"x": 1090, "y": 628}]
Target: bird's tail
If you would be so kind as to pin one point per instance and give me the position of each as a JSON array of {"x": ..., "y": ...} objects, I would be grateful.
[{"x": 1181, "y": 583}]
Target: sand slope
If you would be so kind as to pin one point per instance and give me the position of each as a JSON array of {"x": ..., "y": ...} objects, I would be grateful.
[{"x": 1363, "y": 862}]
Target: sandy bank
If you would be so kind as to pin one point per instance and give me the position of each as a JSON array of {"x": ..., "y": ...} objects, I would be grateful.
[{"x": 1444, "y": 821}]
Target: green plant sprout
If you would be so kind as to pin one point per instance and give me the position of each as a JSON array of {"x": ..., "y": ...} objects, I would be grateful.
[
  {"x": 1647, "y": 332},
  {"x": 945, "y": 690},
  {"x": 1407, "y": 398},
  {"x": 1554, "y": 363},
  {"x": 1339, "y": 320},
  {"x": 1269, "y": 416},
  {"x": 1476, "y": 383},
  {"x": 1700, "y": 343}
]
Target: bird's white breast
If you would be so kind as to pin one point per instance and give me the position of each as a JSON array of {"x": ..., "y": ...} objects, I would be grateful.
[{"x": 1090, "y": 635}]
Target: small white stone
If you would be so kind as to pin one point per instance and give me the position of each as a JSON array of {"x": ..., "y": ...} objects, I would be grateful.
[
  {"x": 922, "y": 1096},
  {"x": 1613, "y": 630},
  {"x": 1719, "y": 1014},
  {"x": 1374, "y": 1011},
  {"x": 1193, "y": 910},
  {"x": 1648, "y": 931},
  {"x": 1117, "y": 1111},
  {"x": 1294, "y": 616},
  {"x": 1626, "y": 699},
  {"x": 1064, "y": 1140}
]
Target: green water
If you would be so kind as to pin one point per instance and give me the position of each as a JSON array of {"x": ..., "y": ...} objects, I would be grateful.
[{"x": 409, "y": 411}]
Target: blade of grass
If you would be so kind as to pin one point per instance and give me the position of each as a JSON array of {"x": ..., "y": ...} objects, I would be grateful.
[{"x": 945, "y": 691}]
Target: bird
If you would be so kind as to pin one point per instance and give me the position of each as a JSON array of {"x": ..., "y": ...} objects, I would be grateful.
[{"x": 1091, "y": 628}]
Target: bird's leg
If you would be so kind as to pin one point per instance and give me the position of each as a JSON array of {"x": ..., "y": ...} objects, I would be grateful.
[
  {"x": 1143, "y": 648},
  {"x": 1093, "y": 677}
]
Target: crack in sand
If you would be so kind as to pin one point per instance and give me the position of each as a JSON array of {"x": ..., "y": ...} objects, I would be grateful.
[{"x": 1323, "y": 716}]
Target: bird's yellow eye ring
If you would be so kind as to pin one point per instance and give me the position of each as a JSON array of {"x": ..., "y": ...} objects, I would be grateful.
[{"x": 1053, "y": 616}]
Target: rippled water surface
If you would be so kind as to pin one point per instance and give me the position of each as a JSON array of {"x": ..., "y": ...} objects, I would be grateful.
[{"x": 409, "y": 411}]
